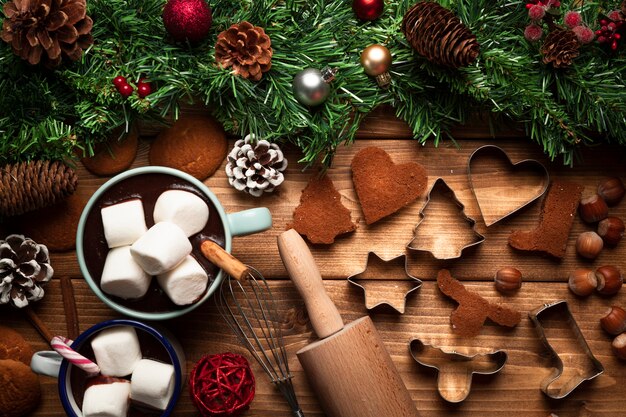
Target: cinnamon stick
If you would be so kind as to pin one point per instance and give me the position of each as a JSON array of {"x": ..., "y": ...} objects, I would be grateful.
[
  {"x": 38, "y": 324},
  {"x": 69, "y": 306}
]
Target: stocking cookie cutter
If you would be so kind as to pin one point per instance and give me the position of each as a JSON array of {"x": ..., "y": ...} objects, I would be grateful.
[
  {"x": 551, "y": 385},
  {"x": 478, "y": 238},
  {"x": 373, "y": 257},
  {"x": 455, "y": 370}
]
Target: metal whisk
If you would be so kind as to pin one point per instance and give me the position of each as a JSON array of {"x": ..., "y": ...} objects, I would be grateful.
[{"x": 246, "y": 303}]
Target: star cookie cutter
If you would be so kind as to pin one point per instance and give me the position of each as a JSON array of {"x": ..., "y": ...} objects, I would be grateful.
[
  {"x": 436, "y": 241},
  {"x": 382, "y": 285},
  {"x": 455, "y": 370},
  {"x": 573, "y": 363},
  {"x": 490, "y": 198}
]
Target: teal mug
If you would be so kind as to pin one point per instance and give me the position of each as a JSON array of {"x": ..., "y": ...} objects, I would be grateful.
[{"x": 147, "y": 183}]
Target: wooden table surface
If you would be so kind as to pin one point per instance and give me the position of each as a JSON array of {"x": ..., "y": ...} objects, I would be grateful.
[{"x": 512, "y": 392}]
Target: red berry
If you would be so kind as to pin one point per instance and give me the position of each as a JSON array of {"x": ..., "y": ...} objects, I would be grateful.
[
  {"x": 533, "y": 33},
  {"x": 125, "y": 90},
  {"x": 143, "y": 89},
  {"x": 572, "y": 19},
  {"x": 536, "y": 12},
  {"x": 119, "y": 81}
]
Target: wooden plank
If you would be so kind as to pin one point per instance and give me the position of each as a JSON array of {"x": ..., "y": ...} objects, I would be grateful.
[
  {"x": 389, "y": 236},
  {"x": 514, "y": 391}
]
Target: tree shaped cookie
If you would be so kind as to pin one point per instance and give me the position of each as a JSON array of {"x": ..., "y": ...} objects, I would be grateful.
[
  {"x": 320, "y": 216},
  {"x": 382, "y": 186},
  {"x": 473, "y": 309}
]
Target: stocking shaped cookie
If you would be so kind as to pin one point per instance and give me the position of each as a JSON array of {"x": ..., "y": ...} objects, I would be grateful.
[{"x": 384, "y": 187}]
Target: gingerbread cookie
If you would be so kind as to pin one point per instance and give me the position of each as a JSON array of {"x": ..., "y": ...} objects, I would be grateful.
[
  {"x": 555, "y": 221},
  {"x": 194, "y": 144},
  {"x": 384, "y": 187},
  {"x": 320, "y": 216},
  {"x": 19, "y": 389},
  {"x": 14, "y": 346},
  {"x": 53, "y": 226},
  {"x": 473, "y": 309},
  {"x": 113, "y": 156}
]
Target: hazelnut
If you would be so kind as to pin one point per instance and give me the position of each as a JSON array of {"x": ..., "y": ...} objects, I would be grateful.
[
  {"x": 508, "y": 279},
  {"x": 582, "y": 282},
  {"x": 619, "y": 346},
  {"x": 609, "y": 280},
  {"x": 614, "y": 321},
  {"x": 592, "y": 209},
  {"x": 611, "y": 190},
  {"x": 611, "y": 230},
  {"x": 589, "y": 245}
]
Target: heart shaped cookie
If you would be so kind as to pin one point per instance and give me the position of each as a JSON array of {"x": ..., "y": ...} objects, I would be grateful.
[
  {"x": 501, "y": 187},
  {"x": 382, "y": 186}
]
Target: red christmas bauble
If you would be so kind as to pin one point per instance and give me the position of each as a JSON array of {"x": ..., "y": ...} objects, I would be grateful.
[
  {"x": 368, "y": 9},
  {"x": 187, "y": 19}
]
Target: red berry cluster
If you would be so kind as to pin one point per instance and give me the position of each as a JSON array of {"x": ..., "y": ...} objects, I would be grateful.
[
  {"x": 125, "y": 89},
  {"x": 610, "y": 28},
  {"x": 537, "y": 10}
]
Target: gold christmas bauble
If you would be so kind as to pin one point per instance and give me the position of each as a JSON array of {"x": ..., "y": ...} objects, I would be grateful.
[{"x": 375, "y": 60}]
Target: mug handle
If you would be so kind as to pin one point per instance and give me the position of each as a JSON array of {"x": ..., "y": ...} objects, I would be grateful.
[
  {"x": 249, "y": 221},
  {"x": 46, "y": 362}
]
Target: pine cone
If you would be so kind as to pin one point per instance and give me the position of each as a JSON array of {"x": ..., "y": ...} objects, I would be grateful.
[
  {"x": 246, "y": 48},
  {"x": 257, "y": 169},
  {"x": 24, "y": 267},
  {"x": 31, "y": 185},
  {"x": 57, "y": 27},
  {"x": 560, "y": 48},
  {"x": 437, "y": 34}
]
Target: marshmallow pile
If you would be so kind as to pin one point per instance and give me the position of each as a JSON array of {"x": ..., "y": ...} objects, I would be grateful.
[
  {"x": 118, "y": 354},
  {"x": 137, "y": 253}
]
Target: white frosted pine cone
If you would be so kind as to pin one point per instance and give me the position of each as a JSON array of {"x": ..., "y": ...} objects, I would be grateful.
[{"x": 255, "y": 167}]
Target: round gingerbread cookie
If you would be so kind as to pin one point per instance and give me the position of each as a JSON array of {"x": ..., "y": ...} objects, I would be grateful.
[
  {"x": 113, "y": 156},
  {"x": 195, "y": 144},
  {"x": 14, "y": 346},
  {"x": 19, "y": 389}
]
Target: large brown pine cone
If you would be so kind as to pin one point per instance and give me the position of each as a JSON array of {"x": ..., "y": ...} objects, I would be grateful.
[
  {"x": 560, "y": 48},
  {"x": 31, "y": 185},
  {"x": 436, "y": 33},
  {"x": 246, "y": 48},
  {"x": 46, "y": 30}
]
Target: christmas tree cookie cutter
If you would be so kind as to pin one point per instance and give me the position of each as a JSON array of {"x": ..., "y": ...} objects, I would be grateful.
[
  {"x": 379, "y": 287},
  {"x": 572, "y": 359},
  {"x": 444, "y": 242},
  {"x": 455, "y": 370},
  {"x": 504, "y": 189}
]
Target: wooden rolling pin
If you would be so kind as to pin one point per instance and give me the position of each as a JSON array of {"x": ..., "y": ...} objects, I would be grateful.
[{"x": 349, "y": 368}]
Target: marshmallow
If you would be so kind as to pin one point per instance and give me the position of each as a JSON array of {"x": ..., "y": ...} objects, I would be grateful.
[
  {"x": 161, "y": 248},
  {"x": 152, "y": 384},
  {"x": 186, "y": 210},
  {"x": 117, "y": 350},
  {"x": 123, "y": 223},
  {"x": 122, "y": 276},
  {"x": 107, "y": 399},
  {"x": 185, "y": 283}
]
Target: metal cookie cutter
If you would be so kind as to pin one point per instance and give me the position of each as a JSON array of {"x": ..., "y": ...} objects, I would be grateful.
[
  {"x": 438, "y": 244},
  {"x": 455, "y": 370},
  {"x": 493, "y": 197},
  {"x": 573, "y": 360},
  {"x": 378, "y": 288}
]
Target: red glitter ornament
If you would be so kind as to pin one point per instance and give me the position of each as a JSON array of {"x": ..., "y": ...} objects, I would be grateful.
[
  {"x": 368, "y": 9},
  {"x": 533, "y": 32},
  {"x": 536, "y": 12},
  {"x": 573, "y": 19},
  {"x": 187, "y": 19},
  {"x": 221, "y": 385}
]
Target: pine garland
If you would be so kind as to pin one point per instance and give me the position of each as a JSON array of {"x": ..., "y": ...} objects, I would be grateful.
[{"x": 48, "y": 114}]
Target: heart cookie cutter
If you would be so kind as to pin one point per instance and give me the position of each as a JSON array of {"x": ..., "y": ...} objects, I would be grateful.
[
  {"x": 455, "y": 370},
  {"x": 436, "y": 244},
  {"x": 386, "y": 286},
  {"x": 571, "y": 367},
  {"x": 491, "y": 198}
]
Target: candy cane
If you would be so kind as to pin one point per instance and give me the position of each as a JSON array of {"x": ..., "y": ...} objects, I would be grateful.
[{"x": 62, "y": 346}]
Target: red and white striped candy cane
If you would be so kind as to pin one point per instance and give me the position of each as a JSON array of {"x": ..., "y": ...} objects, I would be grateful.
[{"x": 62, "y": 346}]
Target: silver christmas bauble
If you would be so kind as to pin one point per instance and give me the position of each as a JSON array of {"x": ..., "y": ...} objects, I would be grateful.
[{"x": 309, "y": 87}]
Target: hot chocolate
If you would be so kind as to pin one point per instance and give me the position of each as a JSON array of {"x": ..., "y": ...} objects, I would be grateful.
[{"x": 147, "y": 188}]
